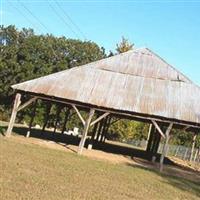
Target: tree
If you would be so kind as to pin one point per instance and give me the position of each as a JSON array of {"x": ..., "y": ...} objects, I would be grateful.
[
  {"x": 110, "y": 54},
  {"x": 128, "y": 130},
  {"x": 124, "y": 46},
  {"x": 25, "y": 55}
]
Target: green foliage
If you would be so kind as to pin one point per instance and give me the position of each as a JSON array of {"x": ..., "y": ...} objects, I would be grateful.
[
  {"x": 180, "y": 137},
  {"x": 197, "y": 143},
  {"x": 124, "y": 46},
  {"x": 128, "y": 129},
  {"x": 26, "y": 56}
]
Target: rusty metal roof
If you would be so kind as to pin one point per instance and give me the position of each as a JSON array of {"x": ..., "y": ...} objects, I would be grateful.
[{"x": 137, "y": 81}]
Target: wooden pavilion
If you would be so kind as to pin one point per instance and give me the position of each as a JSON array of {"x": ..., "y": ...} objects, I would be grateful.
[{"x": 137, "y": 84}]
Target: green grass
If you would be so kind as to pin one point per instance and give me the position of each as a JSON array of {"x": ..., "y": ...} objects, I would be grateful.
[{"x": 29, "y": 171}]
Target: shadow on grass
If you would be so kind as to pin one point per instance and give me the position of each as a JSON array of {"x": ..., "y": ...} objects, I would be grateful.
[
  {"x": 181, "y": 183},
  {"x": 66, "y": 140},
  {"x": 48, "y": 135},
  {"x": 128, "y": 152},
  {"x": 72, "y": 140}
]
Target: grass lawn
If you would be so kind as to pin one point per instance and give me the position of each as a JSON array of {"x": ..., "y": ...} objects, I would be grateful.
[{"x": 30, "y": 171}]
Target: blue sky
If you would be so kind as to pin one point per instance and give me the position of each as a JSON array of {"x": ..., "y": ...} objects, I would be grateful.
[{"x": 170, "y": 28}]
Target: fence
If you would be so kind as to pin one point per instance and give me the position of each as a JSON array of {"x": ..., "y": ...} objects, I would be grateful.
[
  {"x": 178, "y": 151},
  {"x": 182, "y": 152}
]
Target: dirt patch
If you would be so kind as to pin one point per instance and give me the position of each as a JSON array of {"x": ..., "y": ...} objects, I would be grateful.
[{"x": 95, "y": 154}]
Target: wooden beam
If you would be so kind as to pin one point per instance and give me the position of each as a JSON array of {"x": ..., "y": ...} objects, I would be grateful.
[
  {"x": 148, "y": 136},
  {"x": 158, "y": 128},
  {"x": 26, "y": 103},
  {"x": 165, "y": 146},
  {"x": 32, "y": 119},
  {"x": 133, "y": 116},
  {"x": 79, "y": 114},
  {"x": 17, "y": 102},
  {"x": 185, "y": 128},
  {"x": 85, "y": 131},
  {"x": 99, "y": 118}
]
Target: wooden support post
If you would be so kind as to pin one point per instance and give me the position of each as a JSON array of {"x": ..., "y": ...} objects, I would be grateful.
[
  {"x": 48, "y": 110},
  {"x": 158, "y": 128},
  {"x": 148, "y": 136},
  {"x": 26, "y": 104},
  {"x": 85, "y": 131},
  {"x": 99, "y": 129},
  {"x": 103, "y": 129},
  {"x": 150, "y": 140},
  {"x": 193, "y": 145},
  {"x": 165, "y": 146},
  {"x": 99, "y": 118},
  {"x": 158, "y": 138},
  {"x": 17, "y": 102},
  {"x": 107, "y": 128},
  {"x": 57, "y": 117},
  {"x": 155, "y": 145},
  {"x": 67, "y": 113},
  {"x": 79, "y": 114},
  {"x": 32, "y": 119},
  {"x": 94, "y": 131}
]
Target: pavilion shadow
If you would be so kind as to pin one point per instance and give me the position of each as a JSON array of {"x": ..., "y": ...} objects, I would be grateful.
[
  {"x": 128, "y": 152},
  {"x": 48, "y": 135},
  {"x": 73, "y": 140}
]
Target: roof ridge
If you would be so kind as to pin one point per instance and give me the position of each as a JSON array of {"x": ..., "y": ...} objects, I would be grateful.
[
  {"x": 169, "y": 64},
  {"x": 150, "y": 77},
  {"x": 140, "y": 50}
]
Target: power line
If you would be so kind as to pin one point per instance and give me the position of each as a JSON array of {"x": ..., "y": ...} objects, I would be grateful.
[
  {"x": 62, "y": 19},
  {"x": 66, "y": 15},
  {"x": 18, "y": 10},
  {"x": 54, "y": 53},
  {"x": 36, "y": 18}
]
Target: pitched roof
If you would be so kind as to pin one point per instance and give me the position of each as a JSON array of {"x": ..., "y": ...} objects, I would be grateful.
[
  {"x": 137, "y": 81},
  {"x": 141, "y": 62}
]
